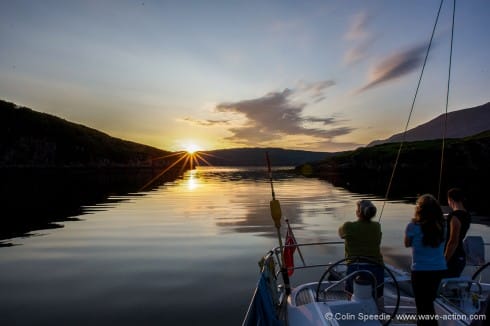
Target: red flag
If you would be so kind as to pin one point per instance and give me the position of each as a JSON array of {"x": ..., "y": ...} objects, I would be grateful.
[{"x": 289, "y": 252}]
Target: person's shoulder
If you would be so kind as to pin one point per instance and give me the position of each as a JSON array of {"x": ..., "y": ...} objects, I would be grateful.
[
  {"x": 345, "y": 229},
  {"x": 463, "y": 214},
  {"x": 460, "y": 214},
  {"x": 351, "y": 225},
  {"x": 411, "y": 226},
  {"x": 376, "y": 224},
  {"x": 347, "y": 224}
]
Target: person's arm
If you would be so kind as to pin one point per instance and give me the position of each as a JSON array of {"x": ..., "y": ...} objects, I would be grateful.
[
  {"x": 408, "y": 241},
  {"x": 408, "y": 236},
  {"x": 452, "y": 243},
  {"x": 342, "y": 231}
]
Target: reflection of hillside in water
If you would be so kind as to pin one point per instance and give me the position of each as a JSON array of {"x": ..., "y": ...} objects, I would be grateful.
[
  {"x": 252, "y": 173},
  {"x": 34, "y": 199},
  {"x": 247, "y": 192},
  {"x": 236, "y": 199},
  {"x": 257, "y": 219},
  {"x": 303, "y": 201},
  {"x": 407, "y": 187}
]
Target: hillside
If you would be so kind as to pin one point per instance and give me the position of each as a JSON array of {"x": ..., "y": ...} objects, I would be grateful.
[
  {"x": 33, "y": 139},
  {"x": 256, "y": 157},
  {"x": 51, "y": 169},
  {"x": 368, "y": 169},
  {"x": 460, "y": 124}
]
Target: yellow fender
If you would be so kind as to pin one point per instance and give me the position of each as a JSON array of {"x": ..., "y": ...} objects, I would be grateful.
[{"x": 276, "y": 212}]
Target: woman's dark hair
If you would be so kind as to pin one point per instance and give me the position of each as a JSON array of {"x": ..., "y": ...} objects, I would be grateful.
[
  {"x": 428, "y": 214},
  {"x": 456, "y": 194}
]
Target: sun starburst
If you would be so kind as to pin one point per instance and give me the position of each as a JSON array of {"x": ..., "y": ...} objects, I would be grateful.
[
  {"x": 187, "y": 159},
  {"x": 191, "y": 148}
]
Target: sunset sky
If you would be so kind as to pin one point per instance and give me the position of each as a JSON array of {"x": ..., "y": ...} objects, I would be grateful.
[{"x": 314, "y": 75}]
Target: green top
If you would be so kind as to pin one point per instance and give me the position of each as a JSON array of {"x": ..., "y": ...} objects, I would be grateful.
[{"x": 362, "y": 239}]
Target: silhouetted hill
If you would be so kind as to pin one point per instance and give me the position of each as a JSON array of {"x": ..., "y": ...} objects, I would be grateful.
[
  {"x": 461, "y": 123},
  {"x": 33, "y": 139},
  {"x": 256, "y": 157},
  {"x": 368, "y": 169},
  {"x": 51, "y": 169}
]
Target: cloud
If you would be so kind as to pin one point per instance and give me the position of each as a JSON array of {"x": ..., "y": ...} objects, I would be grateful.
[
  {"x": 325, "y": 121},
  {"x": 356, "y": 53},
  {"x": 206, "y": 122},
  {"x": 358, "y": 33},
  {"x": 275, "y": 116},
  {"x": 358, "y": 27},
  {"x": 316, "y": 89},
  {"x": 395, "y": 66}
]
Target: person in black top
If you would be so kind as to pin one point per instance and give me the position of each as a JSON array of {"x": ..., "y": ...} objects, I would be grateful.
[{"x": 458, "y": 222}]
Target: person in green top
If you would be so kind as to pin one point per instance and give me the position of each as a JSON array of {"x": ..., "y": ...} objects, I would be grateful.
[{"x": 363, "y": 238}]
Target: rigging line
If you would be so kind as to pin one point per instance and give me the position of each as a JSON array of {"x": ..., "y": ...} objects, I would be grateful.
[
  {"x": 410, "y": 114},
  {"x": 447, "y": 103}
]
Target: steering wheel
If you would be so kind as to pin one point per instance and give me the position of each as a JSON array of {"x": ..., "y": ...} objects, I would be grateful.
[{"x": 363, "y": 259}]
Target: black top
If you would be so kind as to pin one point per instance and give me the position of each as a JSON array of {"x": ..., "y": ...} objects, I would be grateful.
[{"x": 465, "y": 220}]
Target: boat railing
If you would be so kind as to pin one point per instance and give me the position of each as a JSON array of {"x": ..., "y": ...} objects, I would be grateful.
[
  {"x": 351, "y": 275},
  {"x": 277, "y": 252},
  {"x": 274, "y": 280},
  {"x": 268, "y": 288},
  {"x": 463, "y": 294}
]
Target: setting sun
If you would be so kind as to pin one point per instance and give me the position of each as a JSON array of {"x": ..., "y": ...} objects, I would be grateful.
[{"x": 191, "y": 148}]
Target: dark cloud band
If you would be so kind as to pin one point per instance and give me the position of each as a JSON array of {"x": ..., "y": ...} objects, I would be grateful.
[{"x": 396, "y": 66}]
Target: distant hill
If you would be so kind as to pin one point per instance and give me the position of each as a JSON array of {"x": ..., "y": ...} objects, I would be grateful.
[
  {"x": 460, "y": 124},
  {"x": 33, "y": 139},
  {"x": 256, "y": 157}
]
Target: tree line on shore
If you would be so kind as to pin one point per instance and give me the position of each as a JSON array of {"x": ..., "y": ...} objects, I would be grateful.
[{"x": 369, "y": 169}]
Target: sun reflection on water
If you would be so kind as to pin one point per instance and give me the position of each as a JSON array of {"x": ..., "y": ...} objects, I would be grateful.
[{"x": 192, "y": 180}]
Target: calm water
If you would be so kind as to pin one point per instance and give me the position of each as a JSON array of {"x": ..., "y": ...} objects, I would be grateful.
[{"x": 183, "y": 254}]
